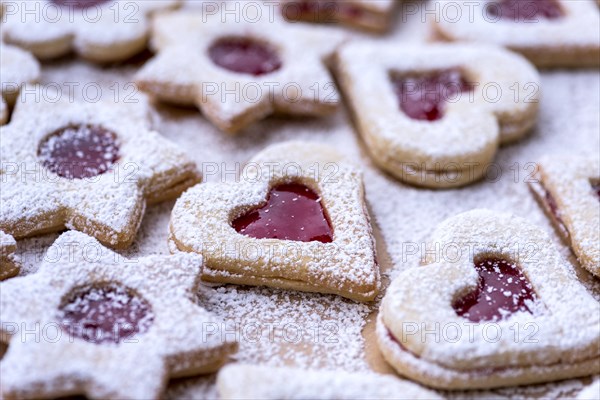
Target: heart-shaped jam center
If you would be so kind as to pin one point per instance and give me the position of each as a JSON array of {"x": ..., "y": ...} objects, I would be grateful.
[
  {"x": 244, "y": 55},
  {"x": 109, "y": 313},
  {"x": 502, "y": 290},
  {"x": 423, "y": 96},
  {"x": 292, "y": 212},
  {"x": 79, "y": 4},
  {"x": 525, "y": 10},
  {"x": 79, "y": 151}
]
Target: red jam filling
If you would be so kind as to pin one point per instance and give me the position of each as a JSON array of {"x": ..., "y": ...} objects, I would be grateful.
[
  {"x": 502, "y": 290},
  {"x": 244, "y": 55},
  {"x": 80, "y": 151},
  {"x": 79, "y": 4},
  {"x": 109, "y": 313},
  {"x": 525, "y": 10},
  {"x": 423, "y": 96},
  {"x": 292, "y": 212},
  {"x": 321, "y": 10}
]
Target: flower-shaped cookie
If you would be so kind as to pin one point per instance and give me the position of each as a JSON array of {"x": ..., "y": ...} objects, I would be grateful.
[
  {"x": 238, "y": 381},
  {"x": 91, "y": 322},
  {"x": 296, "y": 220},
  {"x": 494, "y": 305},
  {"x": 239, "y": 71},
  {"x": 550, "y": 33},
  {"x": 91, "y": 167},
  {"x": 372, "y": 15},
  {"x": 17, "y": 67},
  {"x": 433, "y": 115},
  {"x": 569, "y": 191},
  {"x": 98, "y": 30},
  {"x": 9, "y": 263}
]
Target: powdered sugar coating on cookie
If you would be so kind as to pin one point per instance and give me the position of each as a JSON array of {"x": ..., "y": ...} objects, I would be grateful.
[
  {"x": 564, "y": 316},
  {"x": 105, "y": 31},
  {"x": 9, "y": 262},
  {"x": 110, "y": 205},
  {"x": 466, "y": 138},
  {"x": 201, "y": 223},
  {"x": 182, "y": 72},
  {"x": 568, "y": 191},
  {"x": 175, "y": 343},
  {"x": 239, "y": 381},
  {"x": 570, "y": 40},
  {"x": 17, "y": 67}
]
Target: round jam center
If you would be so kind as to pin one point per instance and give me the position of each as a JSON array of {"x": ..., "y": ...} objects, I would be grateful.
[
  {"x": 525, "y": 10},
  {"x": 423, "y": 96},
  {"x": 79, "y": 4},
  {"x": 292, "y": 212},
  {"x": 80, "y": 151},
  {"x": 244, "y": 55},
  {"x": 105, "y": 314},
  {"x": 502, "y": 290}
]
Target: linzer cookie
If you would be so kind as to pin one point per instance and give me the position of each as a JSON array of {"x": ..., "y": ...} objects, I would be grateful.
[
  {"x": 550, "y": 33},
  {"x": 434, "y": 115},
  {"x": 296, "y": 220},
  {"x": 569, "y": 191},
  {"x": 371, "y": 15},
  {"x": 17, "y": 68},
  {"x": 487, "y": 307},
  {"x": 107, "y": 327},
  {"x": 98, "y": 30},
  {"x": 9, "y": 263},
  {"x": 91, "y": 167},
  {"x": 238, "y": 71},
  {"x": 238, "y": 381}
]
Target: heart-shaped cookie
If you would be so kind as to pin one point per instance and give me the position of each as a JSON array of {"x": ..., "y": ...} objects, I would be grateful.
[
  {"x": 550, "y": 33},
  {"x": 569, "y": 191},
  {"x": 494, "y": 305},
  {"x": 296, "y": 220},
  {"x": 433, "y": 115}
]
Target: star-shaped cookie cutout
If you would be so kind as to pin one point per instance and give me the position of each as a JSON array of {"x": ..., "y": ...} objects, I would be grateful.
[
  {"x": 91, "y": 167},
  {"x": 9, "y": 263},
  {"x": 98, "y": 30},
  {"x": 238, "y": 71},
  {"x": 108, "y": 327},
  {"x": 17, "y": 67}
]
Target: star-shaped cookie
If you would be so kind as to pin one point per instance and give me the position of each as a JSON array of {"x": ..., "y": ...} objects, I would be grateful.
[
  {"x": 239, "y": 71},
  {"x": 105, "y": 326},
  {"x": 98, "y": 30},
  {"x": 17, "y": 67},
  {"x": 91, "y": 167}
]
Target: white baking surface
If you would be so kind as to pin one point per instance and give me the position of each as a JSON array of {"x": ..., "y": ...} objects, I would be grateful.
[{"x": 569, "y": 122}]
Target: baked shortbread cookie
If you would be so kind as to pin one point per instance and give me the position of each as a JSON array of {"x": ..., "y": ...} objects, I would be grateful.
[
  {"x": 371, "y": 15},
  {"x": 91, "y": 167},
  {"x": 296, "y": 220},
  {"x": 17, "y": 67},
  {"x": 238, "y": 71},
  {"x": 97, "y": 30},
  {"x": 487, "y": 308},
  {"x": 9, "y": 263},
  {"x": 550, "y": 33},
  {"x": 434, "y": 115},
  {"x": 105, "y": 326},
  {"x": 238, "y": 381},
  {"x": 568, "y": 189}
]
